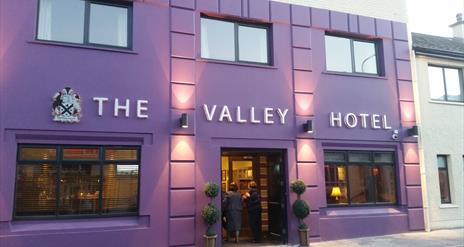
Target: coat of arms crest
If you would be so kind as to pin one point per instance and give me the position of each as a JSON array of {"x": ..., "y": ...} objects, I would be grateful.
[{"x": 66, "y": 106}]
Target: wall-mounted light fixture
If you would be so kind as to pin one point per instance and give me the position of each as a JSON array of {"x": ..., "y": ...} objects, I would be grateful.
[
  {"x": 413, "y": 131},
  {"x": 184, "y": 121},
  {"x": 308, "y": 126}
]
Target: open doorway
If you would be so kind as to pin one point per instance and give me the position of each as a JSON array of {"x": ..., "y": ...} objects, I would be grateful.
[{"x": 266, "y": 167}]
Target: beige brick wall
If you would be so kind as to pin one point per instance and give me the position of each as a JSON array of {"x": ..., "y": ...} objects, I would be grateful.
[{"x": 394, "y": 10}]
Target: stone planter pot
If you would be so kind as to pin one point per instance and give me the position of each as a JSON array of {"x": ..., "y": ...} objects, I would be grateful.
[
  {"x": 303, "y": 236},
  {"x": 210, "y": 241}
]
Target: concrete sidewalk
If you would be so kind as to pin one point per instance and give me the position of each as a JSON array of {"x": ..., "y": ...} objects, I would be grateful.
[{"x": 439, "y": 238}]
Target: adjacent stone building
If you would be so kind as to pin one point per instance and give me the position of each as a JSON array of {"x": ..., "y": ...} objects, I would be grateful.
[{"x": 439, "y": 93}]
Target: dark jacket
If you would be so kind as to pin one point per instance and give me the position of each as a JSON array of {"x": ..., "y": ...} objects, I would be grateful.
[
  {"x": 233, "y": 210},
  {"x": 254, "y": 201}
]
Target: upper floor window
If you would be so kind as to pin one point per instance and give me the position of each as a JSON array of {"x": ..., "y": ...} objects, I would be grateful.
[
  {"x": 350, "y": 55},
  {"x": 235, "y": 41},
  {"x": 89, "y": 22},
  {"x": 359, "y": 178},
  {"x": 446, "y": 83},
  {"x": 62, "y": 181}
]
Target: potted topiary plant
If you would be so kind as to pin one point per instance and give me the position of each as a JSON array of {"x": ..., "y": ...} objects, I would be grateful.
[
  {"x": 210, "y": 214},
  {"x": 300, "y": 210}
]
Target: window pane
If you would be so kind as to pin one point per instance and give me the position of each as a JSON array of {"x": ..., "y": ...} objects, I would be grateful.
[
  {"x": 80, "y": 189},
  {"x": 338, "y": 54},
  {"x": 441, "y": 161},
  {"x": 217, "y": 39},
  {"x": 453, "y": 85},
  {"x": 121, "y": 154},
  {"x": 37, "y": 154},
  {"x": 252, "y": 44},
  {"x": 120, "y": 188},
  {"x": 108, "y": 25},
  {"x": 383, "y": 157},
  {"x": 359, "y": 157},
  {"x": 335, "y": 184},
  {"x": 443, "y": 178},
  {"x": 61, "y": 20},
  {"x": 81, "y": 154},
  {"x": 365, "y": 58},
  {"x": 35, "y": 190},
  {"x": 361, "y": 184},
  {"x": 385, "y": 178},
  {"x": 444, "y": 186},
  {"x": 437, "y": 86},
  {"x": 334, "y": 157}
]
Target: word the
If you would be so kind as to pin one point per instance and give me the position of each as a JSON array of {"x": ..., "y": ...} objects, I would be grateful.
[{"x": 141, "y": 107}]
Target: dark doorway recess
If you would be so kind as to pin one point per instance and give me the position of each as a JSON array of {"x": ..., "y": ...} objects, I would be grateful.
[{"x": 268, "y": 169}]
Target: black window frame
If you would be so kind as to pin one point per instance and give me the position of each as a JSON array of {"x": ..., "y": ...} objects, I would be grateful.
[
  {"x": 445, "y": 158},
  {"x": 371, "y": 163},
  {"x": 461, "y": 82},
  {"x": 237, "y": 24},
  {"x": 86, "y": 35},
  {"x": 378, "y": 54},
  {"x": 58, "y": 162}
]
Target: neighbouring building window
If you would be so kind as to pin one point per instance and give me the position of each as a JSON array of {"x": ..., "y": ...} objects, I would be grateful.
[
  {"x": 60, "y": 181},
  {"x": 235, "y": 41},
  {"x": 105, "y": 23},
  {"x": 442, "y": 163},
  {"x": 360, "y": 178},
  {"x": 344, "y": 54},
  {"x": 446, "y": 83}
]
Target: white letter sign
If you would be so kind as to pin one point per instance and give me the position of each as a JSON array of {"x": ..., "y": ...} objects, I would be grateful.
[
  {"x": 100, "y": 101},
  {"x": 350, "y": 120},
  {"x": 142, "y": 108}
]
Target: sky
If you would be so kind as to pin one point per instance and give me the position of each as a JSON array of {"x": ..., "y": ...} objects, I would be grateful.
[{"x": 433, "y": 16}]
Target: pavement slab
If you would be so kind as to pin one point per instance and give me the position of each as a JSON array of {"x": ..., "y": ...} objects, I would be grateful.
[{"x": 437, "y": 238}]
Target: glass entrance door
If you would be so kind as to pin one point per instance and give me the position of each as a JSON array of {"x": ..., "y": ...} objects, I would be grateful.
[
  {"x": 266, "y": 168},
  {"x": 276, "y": 200}
]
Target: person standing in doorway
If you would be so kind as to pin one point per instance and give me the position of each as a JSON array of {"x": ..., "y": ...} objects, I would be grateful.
[
  {"x": 233, "y": 207},
  {"x": 223, "y": 214},
  {"x": 253, "y": 202}
]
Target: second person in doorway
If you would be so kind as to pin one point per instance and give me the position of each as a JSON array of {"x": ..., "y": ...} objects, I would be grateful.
[{"x": 253, "y": 202}]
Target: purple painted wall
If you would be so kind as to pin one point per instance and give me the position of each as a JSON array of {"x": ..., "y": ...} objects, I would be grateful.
[{"x": 165, "y": 68}]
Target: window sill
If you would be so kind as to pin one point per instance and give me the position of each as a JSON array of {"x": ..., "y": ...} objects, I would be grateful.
[
  {"x": 445, "y": 206},
  {"x": 340, "y": 212},
  {"x": 354, "y": 75},
  {"x": 253, "y": 65},
  {"x": 100, "y": 48},
  {"x": 443, "y": 102},
  {"x": 77, "y": 225}
]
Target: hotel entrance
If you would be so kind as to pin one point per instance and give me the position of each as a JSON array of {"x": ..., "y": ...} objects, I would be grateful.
[{"x": 266, "y": 167}]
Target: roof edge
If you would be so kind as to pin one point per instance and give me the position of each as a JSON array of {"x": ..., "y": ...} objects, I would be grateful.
[{"x": 438, "y": 53}]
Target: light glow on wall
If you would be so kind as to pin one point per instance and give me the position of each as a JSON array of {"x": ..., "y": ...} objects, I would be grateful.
[
  {"x": 183, "y": 96},
  {"x": 410, "y": 152},
  {"x": 408, "y": 113},
  {"x": 182, "y": 148},
  {"x": 304, "y": 104},
  {"x": 306, "y": 150}
]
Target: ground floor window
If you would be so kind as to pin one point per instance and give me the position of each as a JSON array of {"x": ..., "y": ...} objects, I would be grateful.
[
  {"x": 442, "y": 163},
  {"x": 62, "y": 181},
  {"x": 359, "y": 178}
]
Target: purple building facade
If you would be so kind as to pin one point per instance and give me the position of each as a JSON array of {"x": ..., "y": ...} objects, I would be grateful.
[{"x": 258, "y": 108}]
